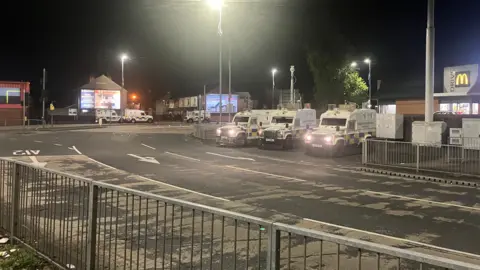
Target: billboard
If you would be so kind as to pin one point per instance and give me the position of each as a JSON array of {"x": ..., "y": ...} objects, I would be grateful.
[
  {"x": 100, "y": 99},
  {"x": 87, "y": 99},
  {"x": 10, "y": 95},
  {"x": 213, "y": 103}
]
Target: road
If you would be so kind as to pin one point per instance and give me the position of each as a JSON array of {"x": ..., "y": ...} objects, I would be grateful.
[{"x": 322, "y": 193}]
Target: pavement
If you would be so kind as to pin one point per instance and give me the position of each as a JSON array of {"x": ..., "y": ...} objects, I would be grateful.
[{"x": 321, "y": 193}]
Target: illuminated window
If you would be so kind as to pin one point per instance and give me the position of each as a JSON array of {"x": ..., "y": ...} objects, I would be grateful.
[
  {"x": 475, "y": 108},
  {"x": 445, "y": 107},
  {"x": 391, "y": 108}
]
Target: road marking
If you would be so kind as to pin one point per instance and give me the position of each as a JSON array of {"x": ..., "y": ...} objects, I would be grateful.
[
  {"x": 57, "y": 144},
  {"x": 180, "y": 156},
  {"x": 75, "y": 149},
  {"x": 268, "y": 174},
  {"x": 103, "y": 164},
  {"x": 393, "y": 238},
  {"x": 145, "y": 159},
  {"x": 36, "y": 163},
  {"x": 148, "y": 146},
  {"x": 25, "y": 152},
  {"x": 423, "y": 200},
  {"x": 38, "y": 141},
  {"x": 184, "y": 189},
  {"x": 286, "y": 160},
  {"x": 239, "y": 158}
]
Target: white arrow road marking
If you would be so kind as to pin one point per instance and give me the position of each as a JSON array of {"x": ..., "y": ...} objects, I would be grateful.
[
  {"x": 239, "y": 158},
  {"x": 181, "y": 156},
  {"x": 57, "y": 144},
  {"x": 75, "y": 149},
  {"x": 145, "y": 159},
  {"x": 36, "y": 163}
]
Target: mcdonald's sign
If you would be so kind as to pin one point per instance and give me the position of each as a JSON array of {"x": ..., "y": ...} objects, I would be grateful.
[{"x": 462, "y": 79}]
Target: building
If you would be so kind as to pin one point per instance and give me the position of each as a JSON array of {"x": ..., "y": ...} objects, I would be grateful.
[
  {"x": 101, "y": 93},
  {"x": 459, "y": 94},
  {"x": 11, "y": 98}
]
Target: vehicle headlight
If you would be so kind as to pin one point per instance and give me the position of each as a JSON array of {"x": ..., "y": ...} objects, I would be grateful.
[
  {"x": 328, "y": 139},
  {"x": 308, "y": 137},
  {"x": 219, "y": 131},
  {"x": 231, "y": 132}
]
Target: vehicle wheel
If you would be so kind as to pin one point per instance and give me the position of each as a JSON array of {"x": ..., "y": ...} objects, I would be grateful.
[
  {"x": 288, "y": 143},
  {"x": 242, "y": 140},
  {"x": 150, "y": 121},
  {"x": 190, "y": 121},
  {"x": 134, "y": 121},
  {"x": 261, "y": 145},
  {"x": 338, "y": 150}
]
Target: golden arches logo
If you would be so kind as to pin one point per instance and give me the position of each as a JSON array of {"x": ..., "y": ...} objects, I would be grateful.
[{"x": 462, "y": 79}]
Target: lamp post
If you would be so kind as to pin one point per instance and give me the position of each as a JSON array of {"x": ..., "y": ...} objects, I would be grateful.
[
  {"x": 369, "y": 63},
  {"x": 274, "y": 70},
  {"x": 218, "y": 5},
  {"x": 123, "y": 58}
]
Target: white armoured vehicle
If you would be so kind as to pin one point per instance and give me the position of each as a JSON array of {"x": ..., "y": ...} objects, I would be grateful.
[
  {"x": 287, "y": 127},
  {"x": 244, "y": 127},
  {"x": 340, "y": 129}
]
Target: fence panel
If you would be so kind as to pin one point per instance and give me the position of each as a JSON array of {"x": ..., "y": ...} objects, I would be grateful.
[
  {"x": 76, "y": 221},
  {"x": 462, "y": 158}
]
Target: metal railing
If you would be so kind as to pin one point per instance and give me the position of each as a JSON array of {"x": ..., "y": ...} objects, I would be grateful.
[
  {"x": 93, "y": 225},
  {"x": 462, "y": 158}
]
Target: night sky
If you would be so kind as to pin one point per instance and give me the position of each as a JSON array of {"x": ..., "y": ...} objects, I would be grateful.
[{"x": 174, "y": 43}]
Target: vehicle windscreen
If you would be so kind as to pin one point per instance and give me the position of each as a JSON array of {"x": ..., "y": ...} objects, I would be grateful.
[
  {"x": 334, "y": 122},
  {"x": 282, "y": 120},
  {"x": 241, "y": 119}
]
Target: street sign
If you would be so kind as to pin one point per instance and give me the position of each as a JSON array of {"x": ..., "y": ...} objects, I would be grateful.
[{"x": 72, "y": 112}]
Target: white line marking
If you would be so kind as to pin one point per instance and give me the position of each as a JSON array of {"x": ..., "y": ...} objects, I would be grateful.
[
  {"x": 148, "y": 146},
  {"x": 103, "y": 164},
  {"x": 38, "y": 141},
  {"x": 268, "y": 174},
  {"x": 393, "y": 238},
  {"x": 57, "y": 144},
  {"x": 180, "y": 156},
  {"x": 184, "y": 189},
  {"x": 286, "y": 160},
  {"x": 36, "y": 163},
  {"x": 75, "y": 149},
  {"x": 239, "y": 158},
  {"x": 422, "y": 200}
]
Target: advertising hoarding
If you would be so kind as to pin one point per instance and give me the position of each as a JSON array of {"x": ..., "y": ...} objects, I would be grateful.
[
  {"x": 87, "y": 99},
  {"x": 10, "y": 95},
  {"x": 100, "y": 99},
  {"x": 213, "y": 103}
]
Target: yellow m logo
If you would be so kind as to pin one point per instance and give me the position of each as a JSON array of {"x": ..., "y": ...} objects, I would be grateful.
[{"x": 462, "y": 80}]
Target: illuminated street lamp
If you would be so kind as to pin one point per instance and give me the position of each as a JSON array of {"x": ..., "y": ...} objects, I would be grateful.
[
  {"x": 369, "y": 63},
  {"x": 123, "y": 58},
  {"x": 218, "y": 5},
  {"x": 274, "y": 70}
]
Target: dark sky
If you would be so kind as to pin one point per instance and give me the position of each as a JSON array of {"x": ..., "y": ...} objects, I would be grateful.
[{"x": 175, "y": 47}]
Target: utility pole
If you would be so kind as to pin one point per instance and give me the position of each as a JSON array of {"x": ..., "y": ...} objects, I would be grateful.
[
  {"x": 24, "y": 104},
  {"x": 292, "y": 82},
  {"x": 205, "y": 101},
  {"x": 229, "y": 81},
  {"x": 429, "y": 62},
  {"x": 43, "y": 96}
]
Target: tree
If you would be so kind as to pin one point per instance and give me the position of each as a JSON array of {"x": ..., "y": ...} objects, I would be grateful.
[{"x": 355, "y": 88}]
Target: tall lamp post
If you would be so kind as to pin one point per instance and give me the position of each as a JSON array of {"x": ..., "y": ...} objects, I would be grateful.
[
  {"x": 218, "y": 5},
  {"x": 369, "y": 63},
  {"x": 274, "y": 70},
  {"x": 123, "y": 58}
]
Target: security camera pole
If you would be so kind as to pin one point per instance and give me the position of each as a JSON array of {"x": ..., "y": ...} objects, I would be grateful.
[{"x": 292, "y": 82}]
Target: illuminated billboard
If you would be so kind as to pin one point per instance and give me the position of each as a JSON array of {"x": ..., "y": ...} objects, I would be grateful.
[
  {"x": 100, "y": 99},
  {"x": 213, "y": 103},
  {"x": 10, "y": 95}
]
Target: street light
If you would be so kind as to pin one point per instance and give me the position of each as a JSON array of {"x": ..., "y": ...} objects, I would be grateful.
[
  {"x": 369, "y": 63},
  {"x": 123, "y": 58},
  {"x": 218, "y": 5},
  {"x": 274, "y": 70}
]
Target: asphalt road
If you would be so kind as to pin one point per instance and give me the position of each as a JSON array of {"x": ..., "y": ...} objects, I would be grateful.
[{"x": 323, "y": 192}]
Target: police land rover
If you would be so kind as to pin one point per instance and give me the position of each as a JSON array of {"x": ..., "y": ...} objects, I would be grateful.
[
  {"x": 244, "y": 127},
  {"x": 341, "y": 129},
  {"x": 287, "y": 127}
]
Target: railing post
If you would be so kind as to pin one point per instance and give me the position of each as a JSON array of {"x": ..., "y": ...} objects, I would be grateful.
[
  {"x": 273, "y": 247},
  {"x": 364, "y": 151},
  {"x": 92, "y": 226},
  {"x": 418, "y": 158},
  {"x": 15, "y": 198}
]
